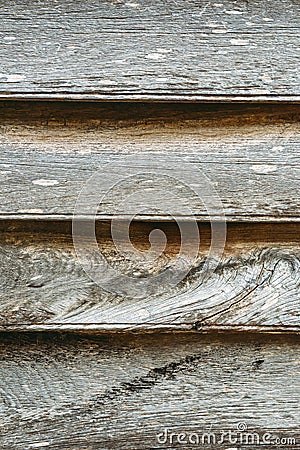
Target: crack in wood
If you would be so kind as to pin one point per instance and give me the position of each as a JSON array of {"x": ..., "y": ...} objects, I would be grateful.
[
  {"x": 199, "y": 324},
  {"x": 113, "y": 391},
  {"x": 44, "y": 286}
]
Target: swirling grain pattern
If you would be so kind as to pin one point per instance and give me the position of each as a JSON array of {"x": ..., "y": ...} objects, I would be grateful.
[{"x": 43, "y": 286}]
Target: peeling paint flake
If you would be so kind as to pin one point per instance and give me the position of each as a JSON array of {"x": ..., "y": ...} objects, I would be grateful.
[
  {"x": 239, "y": 42},
  {"x": 39, "y": 444},
  {"x": 263, "y": 168},
  {"x": 155, "y": 56},
  {"x": 14, "y": 78},
  {"x": 219, "y": 31},
  {"x": 9, "y": 38},
  {"x": 234, "y": 12},
  {"x": 31, "y": 211},
  {"x": 132, "y": 5},
  {"x": 44, "y": 182},
  {"x": 163, "y": 50}
]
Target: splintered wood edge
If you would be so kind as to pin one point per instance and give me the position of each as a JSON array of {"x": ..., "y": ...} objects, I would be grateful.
[
  {"x": 115, "y": 328},
  {"x": 152, "y": 98}
]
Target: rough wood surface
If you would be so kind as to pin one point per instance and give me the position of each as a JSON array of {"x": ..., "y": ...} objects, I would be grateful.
[
  {"x": 249, "y": 154},
  {"x": 255, "y": 287},
  {"x": 237, "y": 50},
  {"x": 68, "y": 392}
]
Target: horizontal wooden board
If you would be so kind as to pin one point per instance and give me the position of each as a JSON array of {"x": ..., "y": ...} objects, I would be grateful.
[
  {"x": 149, "y": 50},
  {"x": 255, "y": 287},
  {"x": 249, "y": 155},
  {"x": 70, "y": 392}
]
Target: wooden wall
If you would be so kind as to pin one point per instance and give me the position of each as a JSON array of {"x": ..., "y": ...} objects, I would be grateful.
[{"x": 183, "y": 116}]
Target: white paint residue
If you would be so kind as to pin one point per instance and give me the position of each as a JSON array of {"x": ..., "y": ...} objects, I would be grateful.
[
  {"x": 31, "y": 211},
  {"x": 37, "y": 277},
  {"x": 106, "y": 82},
  {"x": 132, "y": 5},
  {"x": 39, "y": 444},
  {"x": 234, "y": 12},
  {"x": 163, "y": 50},
  {"x": 9, "y": 38},
  {"x": 277, "y": 148},
  {"x": 239, "y": 42},
  {"x": 43, "y": 182},
  {"x": 263, "y": 168},
  {"x": 259, "y": 91},
  {"x": 14, "y": 78},
  {"x": 219, "y": 31},
  {"x": 155, "y": 56},
  {"x": 266, "y": 79}
]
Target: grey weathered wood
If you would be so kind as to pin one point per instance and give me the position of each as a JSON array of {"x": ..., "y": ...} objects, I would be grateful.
[
  {"x": 63, "y": 392},
  {"x": 233, "y": 51},
  {"x": 255, "y": 287},
  {"x": 250, "y": 154}
]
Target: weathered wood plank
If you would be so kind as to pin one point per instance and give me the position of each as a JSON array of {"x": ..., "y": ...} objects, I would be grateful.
[
  {"x": 249, "y": 154},
  {"x": 147, "y": 50},
  {"x": 68, "y": 392},
  {"x": 255, "y": 287}
]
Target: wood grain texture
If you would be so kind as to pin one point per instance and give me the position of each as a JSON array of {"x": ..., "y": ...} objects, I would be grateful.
[
  {"x": 70, "y": 392},
  {"x": 249, "y": 154},
  {"x": 255, "y": 286},
  {"x": 148, "y": 50}
]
